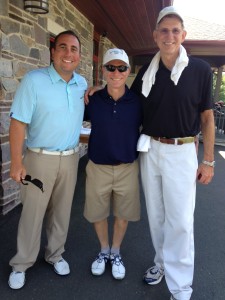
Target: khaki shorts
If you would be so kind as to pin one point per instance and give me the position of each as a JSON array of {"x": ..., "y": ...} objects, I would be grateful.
[{"x": 117, "y": 183}]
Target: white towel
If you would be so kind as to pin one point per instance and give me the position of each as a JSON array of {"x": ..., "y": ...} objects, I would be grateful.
[
  {"x": 149, "y": 76},
  {"x": 144, "y": 143}
]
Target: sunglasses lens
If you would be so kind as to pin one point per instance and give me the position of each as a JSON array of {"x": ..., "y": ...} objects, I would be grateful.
[
  {"x": 111, "y": 68},
  {"x": 122, "y": 68}
]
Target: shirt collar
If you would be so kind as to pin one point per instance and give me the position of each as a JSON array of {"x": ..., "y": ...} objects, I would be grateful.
[
  {"x": 126, "y": 97},
  {"x": 55, "y": 77}
]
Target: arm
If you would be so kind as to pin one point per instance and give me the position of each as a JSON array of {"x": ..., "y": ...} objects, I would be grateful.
[
  {"x": 90, "y": 91},
  {"x": 208, "y": 132},
  {"x": 16, "y": 140}
]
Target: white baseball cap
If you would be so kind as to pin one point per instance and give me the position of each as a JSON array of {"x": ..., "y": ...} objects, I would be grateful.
[
  {"x": 169, "y": 10},
  {"x": 115, "y": 53}
]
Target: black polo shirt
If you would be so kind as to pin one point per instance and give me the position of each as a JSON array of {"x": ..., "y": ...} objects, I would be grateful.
[
  {"x": 174, "y": 110},
  {"x": 114, "y": 127}
]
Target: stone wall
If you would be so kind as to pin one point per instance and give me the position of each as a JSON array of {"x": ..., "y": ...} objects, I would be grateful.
[{"x": 24, "y": 45}]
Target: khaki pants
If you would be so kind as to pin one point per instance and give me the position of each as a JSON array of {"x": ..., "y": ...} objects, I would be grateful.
[{"x": 59, "y": 175}]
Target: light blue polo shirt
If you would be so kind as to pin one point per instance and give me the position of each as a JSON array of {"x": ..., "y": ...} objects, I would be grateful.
[{"x": 52, "y": 109}]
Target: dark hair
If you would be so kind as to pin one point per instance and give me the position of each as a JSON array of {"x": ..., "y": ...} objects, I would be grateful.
[{"x": 68, "y": 32}]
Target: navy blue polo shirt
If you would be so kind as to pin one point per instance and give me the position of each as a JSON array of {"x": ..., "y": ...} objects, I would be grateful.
[
  {"x": 174, "y": 110},
  {"x": 114, "y": 127}
]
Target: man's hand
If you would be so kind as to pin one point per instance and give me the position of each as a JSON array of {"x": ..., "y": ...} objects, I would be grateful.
[
  {"x": 17, "y": 172},
  {"x": 90, "y": 91},
  {"x": 205, "y": 173}
]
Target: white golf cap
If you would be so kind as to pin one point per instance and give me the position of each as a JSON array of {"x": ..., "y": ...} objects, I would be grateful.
[
  {"x": 115, "y": 53},
  {"x": 169, "y": 10}
]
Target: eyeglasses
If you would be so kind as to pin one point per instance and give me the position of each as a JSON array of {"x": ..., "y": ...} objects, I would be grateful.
[
  {"x": 111, "y": 68},
  {"x": 35, "y": 181},
  {"x": 165, "y": 31}
]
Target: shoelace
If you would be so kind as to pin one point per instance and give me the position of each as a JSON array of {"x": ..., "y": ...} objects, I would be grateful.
[
  {"x": 117, "y": 260},
  {"x": 102, "y": 256},
  {"x": 154, "y": 270},
  {"x": 61, "y": 260}
]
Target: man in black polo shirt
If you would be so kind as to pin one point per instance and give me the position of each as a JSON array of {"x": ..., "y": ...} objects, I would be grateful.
[
  {"x": 112, "y": 170},
  {"x": 176, "y": 94}
]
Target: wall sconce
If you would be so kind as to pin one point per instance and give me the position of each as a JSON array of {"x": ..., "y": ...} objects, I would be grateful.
[{"x": 36, "y": 6}]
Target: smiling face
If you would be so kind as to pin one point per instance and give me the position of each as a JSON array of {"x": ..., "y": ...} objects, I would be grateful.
[
  {"x": 66, "y": 55},
  {"x": 116, "y": 79},
  {"x": 169, "y": 35}
]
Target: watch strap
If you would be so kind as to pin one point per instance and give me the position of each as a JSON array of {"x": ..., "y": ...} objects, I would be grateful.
[{"x": 209, "y": 163}]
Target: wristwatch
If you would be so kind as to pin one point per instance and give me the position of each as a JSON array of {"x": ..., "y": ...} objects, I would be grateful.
[{"x": 209, "y": 163}]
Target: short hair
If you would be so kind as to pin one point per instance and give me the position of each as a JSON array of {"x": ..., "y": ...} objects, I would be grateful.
[{"x": 68, "y": 32}]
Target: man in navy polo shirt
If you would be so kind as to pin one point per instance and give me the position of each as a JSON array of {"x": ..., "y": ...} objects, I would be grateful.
[
  {"x": 176, "y": 94},
  {"x": 112, "y": 170}
]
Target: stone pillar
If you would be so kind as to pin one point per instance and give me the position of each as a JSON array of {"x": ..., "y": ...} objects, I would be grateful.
[{"x": 9, "y": 190}]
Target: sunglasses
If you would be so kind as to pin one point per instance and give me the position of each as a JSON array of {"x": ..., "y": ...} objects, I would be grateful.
[
  {"x": 35, "y": 181},
  {"x": 111, "y": 68}
]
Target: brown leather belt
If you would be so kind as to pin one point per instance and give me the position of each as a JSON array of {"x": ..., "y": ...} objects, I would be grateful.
[{"x": 175, "y": 141}]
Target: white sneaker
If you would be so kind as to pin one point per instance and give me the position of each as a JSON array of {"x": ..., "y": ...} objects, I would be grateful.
[
  {"x": 98, "y": 266},
  {"x": 153, "y": 275},
  {"x": 118, "y": 269},
  {"x": 16, "y": 280},
  {"x": 61, "y": 267}
]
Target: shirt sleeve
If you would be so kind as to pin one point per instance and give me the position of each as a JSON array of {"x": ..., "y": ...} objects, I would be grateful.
[
  {"x": 23, "y": 104},
  {"x": 207, "y": 99},
  {"x": 136, "y": 86},
  {"x": 86, "y": 113}
]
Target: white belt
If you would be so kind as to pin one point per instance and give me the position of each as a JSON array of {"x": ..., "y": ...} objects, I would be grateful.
[{"x": 61, "y": 153}]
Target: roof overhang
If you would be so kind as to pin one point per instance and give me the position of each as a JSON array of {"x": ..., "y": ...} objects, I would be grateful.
[
  {"x": 211, "y": 51},
  {"x": 130, "y": 25}
]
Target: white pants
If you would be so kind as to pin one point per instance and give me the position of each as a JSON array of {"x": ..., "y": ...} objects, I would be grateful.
[{"x": 168, "y": 174}]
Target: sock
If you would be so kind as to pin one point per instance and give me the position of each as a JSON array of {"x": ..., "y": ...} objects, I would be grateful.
[
  {"x": 105, "y": 250},
  {"x": 115, "y": 251}
]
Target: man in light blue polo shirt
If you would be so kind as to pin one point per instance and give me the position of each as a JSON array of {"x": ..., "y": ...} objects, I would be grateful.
[{"x": 48, "y": 108}]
